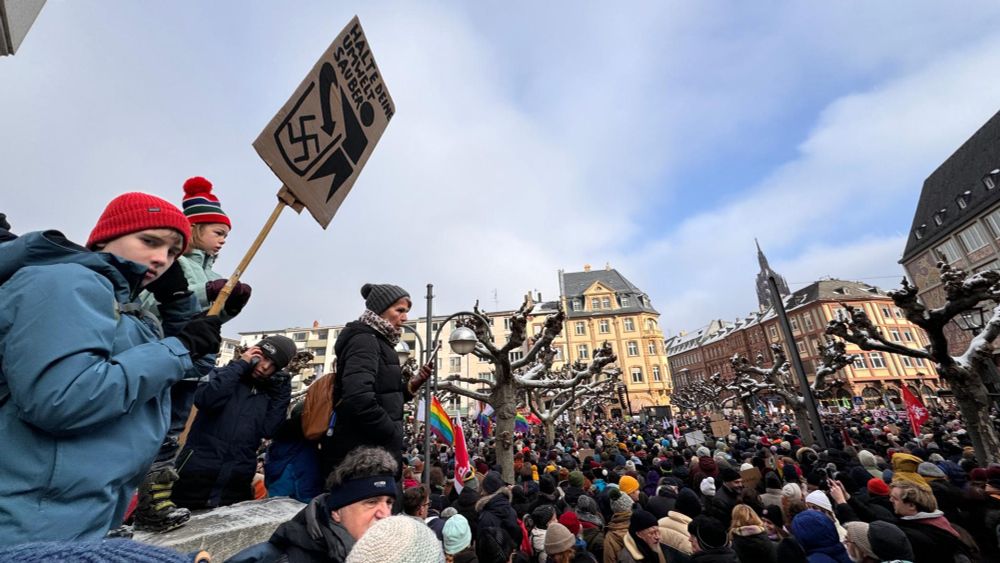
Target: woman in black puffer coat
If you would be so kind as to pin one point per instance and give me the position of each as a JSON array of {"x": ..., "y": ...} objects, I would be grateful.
[{"x": 369, "y": 391}]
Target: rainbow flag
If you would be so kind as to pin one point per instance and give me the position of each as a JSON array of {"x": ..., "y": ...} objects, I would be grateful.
[
  {"x": 521, "y": 424},
  {"x": 441, "y": 423}
]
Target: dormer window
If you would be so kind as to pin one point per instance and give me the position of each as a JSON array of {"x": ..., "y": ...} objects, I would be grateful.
[
  {"x": 963, "y": 200},
  {"x": 919, "y": 231},
  {"x": 939, "y": 217},
  {"x": 990, "y": 180}
]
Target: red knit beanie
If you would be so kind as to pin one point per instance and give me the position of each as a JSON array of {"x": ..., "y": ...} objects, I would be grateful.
[
  {"x": 878, "y": 487},
  {"x": 136, "y": 211},
  {"x": 570, "y": 520},
  {"x": 201, "y": 205}
]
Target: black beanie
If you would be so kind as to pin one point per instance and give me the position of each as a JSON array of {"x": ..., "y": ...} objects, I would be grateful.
[
  {"x": 889, "y": 542},
  {"x": 728, "y": 474},
  {"x": 709, "y": 532},
  {"x": 688, "y": 503},
  {"x": 773, "y": 514},
  {"x": 641, "y": 520},
  {"x": 379, "y": 297},
  {"x": 492, "y": 483},
  {"x": 279, "y": 349}
]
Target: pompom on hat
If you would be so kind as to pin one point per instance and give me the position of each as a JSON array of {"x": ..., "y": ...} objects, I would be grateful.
[
  {"x": 201, "y": 205},
  {"x": 136, "y": 211}
]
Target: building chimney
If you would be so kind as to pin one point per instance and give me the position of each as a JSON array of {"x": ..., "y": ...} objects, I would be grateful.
[
  {"x": 607, "y": 266},
  {"x": 586, "y": 267}
]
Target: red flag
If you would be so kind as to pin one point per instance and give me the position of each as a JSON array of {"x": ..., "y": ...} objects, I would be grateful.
[
  {"x": 677, "y": 431},
  {"x": 915, "y": 408},
  {"x": 462, "y": 467}
]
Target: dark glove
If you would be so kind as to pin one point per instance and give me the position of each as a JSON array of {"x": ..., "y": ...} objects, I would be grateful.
[
  {"x": 237, "y": 298},
  {"x": 171, "y": 285},
  {"x": 202, "y": 336},
  {"x": 5, "y": 233}
]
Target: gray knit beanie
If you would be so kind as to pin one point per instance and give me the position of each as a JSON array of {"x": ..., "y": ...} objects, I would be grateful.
[
  {"x": 397, "y": 539},
  {"x": 620, "y": 502},
  {"x": 379, "y": 297}
]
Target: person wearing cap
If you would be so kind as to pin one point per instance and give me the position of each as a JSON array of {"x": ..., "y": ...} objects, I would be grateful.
[
  {"x": 156, "y": 511},
  {"x": 561, "y": 546},
  {"x": 495, "y": 509},
  {"x": 85, "y": 374},
  {"x": 859, "y": 548},
  {"x": 240, "y": 404},
  {"x": 674, "y": 527},
  {"x": 617, "y": 528},
  {"x": 457, "y": 540},
  {"x": 818, "y": 536},
  {"x": 709, "y": 543},
  {"x": 727, "y": 496},
  {"x": 369, "y": 388},
  {"x": 362, "y": 491},
  {"x": 642, "y": 542}
]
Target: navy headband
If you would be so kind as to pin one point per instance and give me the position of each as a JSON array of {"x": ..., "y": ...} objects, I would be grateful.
[{"x": 363, "y": 488}]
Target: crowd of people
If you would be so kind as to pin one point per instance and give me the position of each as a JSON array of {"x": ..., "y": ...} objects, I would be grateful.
[{"x": 105, "y": 348}]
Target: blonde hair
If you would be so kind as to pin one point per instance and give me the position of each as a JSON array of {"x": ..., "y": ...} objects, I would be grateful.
[
  {"x": 564, "y": 557},
  {"x": 914, "y": 494},
  {"x": 743, "y": 515}
]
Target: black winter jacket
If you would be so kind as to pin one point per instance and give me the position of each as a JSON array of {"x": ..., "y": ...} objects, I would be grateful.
[
  {"x": 369, "y": 392},
  {"x": 235, "y": 412},
  {"x": 495, "y": 511},
  {"x": 465, "y": 504},
  {"x": 309, "y": 537}
]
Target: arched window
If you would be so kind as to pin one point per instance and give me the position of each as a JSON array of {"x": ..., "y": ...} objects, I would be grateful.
[{"x": 872, "y": 398}]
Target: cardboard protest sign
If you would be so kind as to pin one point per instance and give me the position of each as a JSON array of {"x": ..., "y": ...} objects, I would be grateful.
[
  {"x": 721, "y": 428},
  {"x": 750, "y": 477},
  {"x": 695, "y": 438},
  {"x": 320, "y": 140}
]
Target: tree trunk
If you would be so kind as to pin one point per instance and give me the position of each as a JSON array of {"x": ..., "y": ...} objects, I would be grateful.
[
  {"x": 974, "y": 403},
  {"x": 802, "y": 421},
  {"x": 747, "y": 412},
  {"x": 550, "y": 432},
  {"x": 503, "y": 401}
]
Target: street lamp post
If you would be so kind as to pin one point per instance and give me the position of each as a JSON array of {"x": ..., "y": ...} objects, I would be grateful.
[{"x": 462, "y": 341}]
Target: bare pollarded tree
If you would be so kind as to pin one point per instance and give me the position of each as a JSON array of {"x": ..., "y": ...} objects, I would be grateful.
[
  {"x": 549, "y": 404},
  {"x": 511, "y": 378},
  {"x": 696, "y": 396},
  {"x": 778, "y": 379},
  {"x": 967, "y": 373}
]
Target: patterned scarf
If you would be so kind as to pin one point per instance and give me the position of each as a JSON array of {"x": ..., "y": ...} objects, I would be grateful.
[{"x": 381, "y": 326}]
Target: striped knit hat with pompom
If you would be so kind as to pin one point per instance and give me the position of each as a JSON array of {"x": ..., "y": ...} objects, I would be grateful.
[{"x": 200, "y": 205}]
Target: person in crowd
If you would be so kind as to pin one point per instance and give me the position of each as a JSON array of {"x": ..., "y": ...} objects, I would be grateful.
[
  {"x": 240, "y": 404},
  {"x": 465, "y": 504},
  {"x": 642, "y": 543},
  {"x": 369, "y": 388},
  {"x": 817, "y": 534},
  {"x": 541, "y": 518},
  {"x": 561, "y": 546},
  {"x": 727, "y": 496},
  {"x": 493, "y": 545},
  {"x": 709, "y": 543},
  {"x": 772, "y": 490},
  {"x": 416, "y": 502},
  {"x": 674, "y": 527},
  {"x": 291, "y": 466},
  {"x": 617, "y": 528},
  {"x": 361, "y": 492},
  {"x": 495, "y": 510},
  {"x": 665, "y": 496},
  {"x": 931, "y": 535},
  {"x": 458, "y": 540},
  {"x": 748, "y": 536},
  {"x": 85, "y": 374},
  {"x": 397, "y": 539},
  {"x": 591, "y": 525},
  {"x": 859, "y": 548},
  {"x": 889, "y": 543},
  {"x": 156, "y": 511},
  {"x": 774, "y": 522}
]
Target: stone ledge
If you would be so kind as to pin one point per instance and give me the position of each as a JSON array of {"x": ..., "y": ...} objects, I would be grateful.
[{"x": 226, "y": 530}]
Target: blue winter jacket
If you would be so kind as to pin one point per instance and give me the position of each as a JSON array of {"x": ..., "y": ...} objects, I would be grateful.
[
  {"x": 84, "y": 389},
  {"x": 817, "y": 535}
]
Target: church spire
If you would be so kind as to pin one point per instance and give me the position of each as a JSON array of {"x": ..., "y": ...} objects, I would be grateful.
[{"x": 763, "y": 288}]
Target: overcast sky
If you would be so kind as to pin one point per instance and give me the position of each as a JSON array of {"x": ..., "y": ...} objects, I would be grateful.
[{"x": 658, "y": 137}]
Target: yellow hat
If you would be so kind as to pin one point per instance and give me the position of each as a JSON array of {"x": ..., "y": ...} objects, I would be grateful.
[{"x": 628, "y": 484}]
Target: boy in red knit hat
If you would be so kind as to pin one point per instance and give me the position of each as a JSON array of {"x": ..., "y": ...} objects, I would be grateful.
[{"x": 85, "y": 375}]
